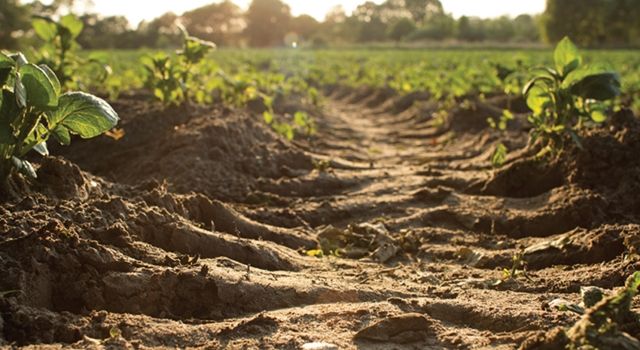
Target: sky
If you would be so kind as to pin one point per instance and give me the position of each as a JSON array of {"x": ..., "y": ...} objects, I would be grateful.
[{"x": 137, "y": 10}]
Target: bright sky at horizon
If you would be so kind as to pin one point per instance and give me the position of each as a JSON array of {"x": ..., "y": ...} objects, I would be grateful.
[{"x": 138, "y": 10}]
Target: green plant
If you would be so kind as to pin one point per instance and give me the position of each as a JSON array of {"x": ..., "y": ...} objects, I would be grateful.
[
  {"x": 605, "y": 325},
  {"x": 173, "y": 79},
  {"x": 60, "y": 46},
  {"x": 499, "y": 156},
  {"x": 304, "y": 122},
  {"x": 566, "y": 97},
  {"x": 501, "y": 123},
  {"x": 518, "y": 268},
  {"x": 322, "y": 166},
  {"x": 301, "y": 121},
  {"x": 33, "y": 108},
  {"x": 163, "y": 79}
]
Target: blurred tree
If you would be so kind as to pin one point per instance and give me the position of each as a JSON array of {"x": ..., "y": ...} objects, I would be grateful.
[
  {"x": 221, "y": 23},
  {"x": 160, "y": 32},
  {"x": 336, "y": 28},
  {"x": 337, "y": 14},
  {"x": 500, "y": 29},
  {"x": 304, "y": 26},
  {"x": 526, "y": 29},
  {"x": 401, "y": 29},
  {"x": 593, "y": 22},
  {"x": 465, "y": 30},
  {"x": 623, "y": 23},
  {"x": 423, "y": 10},
  {"x": 14, "y": 18},
  {"x": 438, "y": 27},
  {"x": 369, "y": 23},
  {"x": 267, "y": 22},
  {"x": 578, "y": 19},
  {"x": 108, "y": 32}
]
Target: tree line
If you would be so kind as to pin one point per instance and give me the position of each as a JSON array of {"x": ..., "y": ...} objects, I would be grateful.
[{"x": 269, "y": 23}]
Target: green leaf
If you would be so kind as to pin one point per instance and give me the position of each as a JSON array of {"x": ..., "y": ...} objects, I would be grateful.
[
  {"x": 20, "y": 92},
  {"x": 633, "y": 283},
  {"x": 534, "y": 81},
  {"x": 499, "y": 156},
  {"x": 285, "y": 130},
  {"x": 538, "y": 99},
  {"x": 45, "y": 28},
  {"x": 195, "y": 49},
  {"x": 597, "y": 111},
  {"x": 598, "y": 116},
  {"x": 66, "y": 38},
  {"x": 268, "y": 117},
  {"x": 52, "y": 77},
  {"x": 41, "y": 148},
  {"x": 300, "y": 118},
  {"x": 6, "y": 66},
  {"x": 62, "y": 135},
  {"x": 73, "y": 24},
  {"x": 601, "y": 87},
  {"x": 8, "y": 112},
  {"x": 6, "y": 61},
  {"x": 566, "y": 56},
  {"x": 83, "y": 114},
  {"x": 5, "y": 73},
  {"x": 40, "y": 91},
  {"x": 19, "y": 59}
]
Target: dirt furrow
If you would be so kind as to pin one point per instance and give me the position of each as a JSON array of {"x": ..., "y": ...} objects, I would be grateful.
[{"x": 206, "y": 245}]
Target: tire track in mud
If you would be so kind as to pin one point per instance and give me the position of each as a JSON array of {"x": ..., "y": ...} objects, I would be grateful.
[
  {"x": 425, "y": 179},
  {"x": 183, "y": 270}
]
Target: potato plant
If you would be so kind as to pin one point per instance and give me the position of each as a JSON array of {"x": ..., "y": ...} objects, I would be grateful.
[
  {"x": 567, "y": 97},
  {"x": 173, "y": 79},
  {"x": 60, "y": 48},
  {"x": 33, "y": 109}
]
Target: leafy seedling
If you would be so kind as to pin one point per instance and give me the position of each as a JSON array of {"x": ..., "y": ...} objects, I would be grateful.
[
  {"x": 33, "y": 108},
  {"x": 568, "y": 96},
  {"x": 303, "y": 121},
  {"x": 322, "y": 166},
  {"x": 499, "y": 156},
  {"x": 605, "y": 325},
  {"x": 173, "y": 80},
  {"x": 518, "y": 268},
  {"x": 60, "y": 47},
  {"x": 502, "y": 122}
]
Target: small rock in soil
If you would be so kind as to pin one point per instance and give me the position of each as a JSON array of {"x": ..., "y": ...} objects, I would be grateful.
[
  {"x": 319, "y": 346},
  {"x": 385, "y": 252}
]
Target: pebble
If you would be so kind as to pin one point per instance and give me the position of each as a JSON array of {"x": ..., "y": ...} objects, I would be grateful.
[{"x": 319, "y": 346}]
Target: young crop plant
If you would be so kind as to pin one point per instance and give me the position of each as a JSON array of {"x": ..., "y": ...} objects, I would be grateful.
[
  {"x": 499, "y": 156},
  {"x": 567, "y": 97},
  {"x": 173, "y": 79},
  {"x": 33, "y": 108},
  {"x": 60, "y": 46},
  {"x": 301, "y": 122},
  {"x": 304, "y": 122}
]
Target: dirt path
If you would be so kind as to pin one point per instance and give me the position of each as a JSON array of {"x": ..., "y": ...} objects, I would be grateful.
[{"x": 424, "y": 228}]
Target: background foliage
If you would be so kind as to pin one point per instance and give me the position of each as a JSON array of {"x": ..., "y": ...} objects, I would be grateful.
[{"x": 269, "y": 23}]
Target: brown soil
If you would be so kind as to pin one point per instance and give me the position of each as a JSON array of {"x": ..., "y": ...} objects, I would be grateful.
[{"x": 191, "y": 231}]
